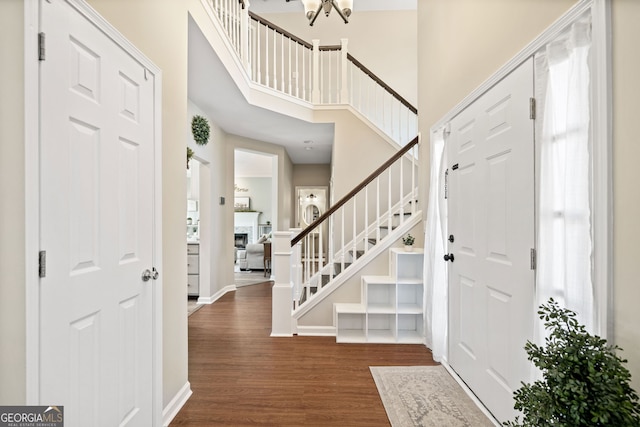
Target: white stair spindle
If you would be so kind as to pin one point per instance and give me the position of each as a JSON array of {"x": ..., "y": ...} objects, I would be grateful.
[
  {"x": 315, "y": 73},
  {"x": 258, "y": 52},
  {"x": 389, "y": 215},
  {"x": 377, "y": 209},
  {"x": 282, "y": 80},
  {"x": 289, "y": 72},
  {"x": 275, "y": 65},
  {"x": 344, "y": 87},
  {"x": 366, "y": 218},
  {"x": 401, "y": 179},
  {"x": 267, "y": 79},
  {"x": 342, "y": 238}
]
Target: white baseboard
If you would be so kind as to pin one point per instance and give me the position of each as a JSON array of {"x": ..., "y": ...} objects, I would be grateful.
[
  {"x": 317, "y": 331},
  {"x": 470, "y": 393},
  {"x": 171, "y": 410},
  {"x": 215, "y": 297}
]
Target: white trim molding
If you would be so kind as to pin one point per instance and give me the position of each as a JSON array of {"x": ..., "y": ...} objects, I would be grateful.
[
  {"x": 316, "y": 331},
  {"x": 215, "y": 297},
  {"x": 173, "y": 407}
]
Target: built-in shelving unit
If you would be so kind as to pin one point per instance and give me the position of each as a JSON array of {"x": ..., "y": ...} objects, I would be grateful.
[{"x": 392, "y": 309}]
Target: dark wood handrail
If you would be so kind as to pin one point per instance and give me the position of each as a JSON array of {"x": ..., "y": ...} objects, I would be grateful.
[
  {"x": 277, "y": 29},
  {"x": 355, "y": 191},
  {"x": 376, "y": 79},
  {"x": 329, "y": 47}
]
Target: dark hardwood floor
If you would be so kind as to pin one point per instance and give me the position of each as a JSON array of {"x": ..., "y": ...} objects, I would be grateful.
[{"x": 240, "y": 376}]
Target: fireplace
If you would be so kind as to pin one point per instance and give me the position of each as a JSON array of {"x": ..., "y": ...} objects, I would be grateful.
[{"x": 241, "y": 240}]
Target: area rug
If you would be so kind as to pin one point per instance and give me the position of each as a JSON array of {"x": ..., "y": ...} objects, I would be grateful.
[{"x": 425, "y": 396}]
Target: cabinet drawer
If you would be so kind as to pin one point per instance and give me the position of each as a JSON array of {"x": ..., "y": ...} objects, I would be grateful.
[
  {"x": 193, "y": 285},
  {"x": 193, "y": 264},
  {"x": 193, "y": 249}
]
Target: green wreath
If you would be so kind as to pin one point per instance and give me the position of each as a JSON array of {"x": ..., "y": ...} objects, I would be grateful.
[{"x": 200, "y": 130}]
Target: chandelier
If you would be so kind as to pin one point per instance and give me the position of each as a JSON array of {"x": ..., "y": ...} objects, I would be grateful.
[{"x": 312, "y": 8}]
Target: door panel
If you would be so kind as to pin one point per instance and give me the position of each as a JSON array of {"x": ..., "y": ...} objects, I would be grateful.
[
  {"x": 491, "y": 215},
  {"x": 97, "y": 113}
]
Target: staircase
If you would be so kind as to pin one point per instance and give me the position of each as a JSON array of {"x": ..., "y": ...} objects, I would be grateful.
[
  {"x": 365, "y": 224},
  {"x": 368, "y": 221}
]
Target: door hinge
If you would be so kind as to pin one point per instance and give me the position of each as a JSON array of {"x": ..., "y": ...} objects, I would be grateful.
[
  {"x": 41, "y": 47},
  {"x": 533, "y": 259},
  {"x": 42, "y": 264},
  {"x": 532, "y": 108}
]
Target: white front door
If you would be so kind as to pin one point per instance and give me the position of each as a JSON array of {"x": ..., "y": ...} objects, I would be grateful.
[
  {"x": 491, "y": 219},
  {"x": 97, "y": 185}
]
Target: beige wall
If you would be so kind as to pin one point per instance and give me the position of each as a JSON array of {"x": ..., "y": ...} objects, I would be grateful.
[
  {"x": 12, "y": 209},
  {"x": 462, "y": 42},
  {"x": 311, "y": 174},
  {"x": 626, "y": 175},
  {"x": 216, "y": 247},
  {"x": 369, "y": 33},
  {"x": 357, "y": 151}
]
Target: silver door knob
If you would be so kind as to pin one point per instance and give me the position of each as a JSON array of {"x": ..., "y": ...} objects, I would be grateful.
[
  {"x": 154, "y": 273},
  {"x": 147, "y": 275}
]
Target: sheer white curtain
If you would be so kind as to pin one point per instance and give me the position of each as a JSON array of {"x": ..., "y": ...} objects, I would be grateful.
[
  {"x": 435, "y": 269},
  {"x": 562, "y": 132}
]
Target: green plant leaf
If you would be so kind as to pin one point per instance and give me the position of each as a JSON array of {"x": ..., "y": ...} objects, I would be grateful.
[{"x": 585, "y": 382}]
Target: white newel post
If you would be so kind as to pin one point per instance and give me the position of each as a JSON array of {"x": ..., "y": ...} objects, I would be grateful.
[
  {"x": 245, "y": 37},
  {"x": 344, "y": 85},
  {"x": 296, "y": 270},
  {"x": 282, "y": 291},
  {"x": 315, "y": 73}
]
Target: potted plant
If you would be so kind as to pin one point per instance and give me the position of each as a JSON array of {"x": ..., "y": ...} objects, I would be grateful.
[
  {"x": 189, "y": 156},
  {"x": 408, "y": 242},
  {"x": 584, "y": 382}
]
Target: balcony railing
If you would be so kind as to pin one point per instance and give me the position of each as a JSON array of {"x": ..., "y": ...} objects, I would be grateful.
[{"x": 320, "y": 75}]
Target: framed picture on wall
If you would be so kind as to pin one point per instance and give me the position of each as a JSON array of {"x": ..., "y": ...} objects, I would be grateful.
[{"x": 242, "y": 203}]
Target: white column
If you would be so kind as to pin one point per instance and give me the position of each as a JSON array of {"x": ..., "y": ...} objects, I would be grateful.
[
  {"x": 344, "y": 89},
  {"x": 315, "y": 73},
  {"x": 282, "y": 291}
]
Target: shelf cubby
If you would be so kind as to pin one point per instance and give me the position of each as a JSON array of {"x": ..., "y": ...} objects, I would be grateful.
[{"x": 392, "y": 309}]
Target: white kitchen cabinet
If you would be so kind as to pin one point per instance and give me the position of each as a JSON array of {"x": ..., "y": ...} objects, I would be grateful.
[
  {"x": 193, "y": 269},
  {"x": 392, "y": 309}
]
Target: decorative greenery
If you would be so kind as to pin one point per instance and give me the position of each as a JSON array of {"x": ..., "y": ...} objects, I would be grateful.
[
  {"x": 584, "y": 381},
  {"x": 189, "y": 156},
  {"x": 200, "y": 129},
  {"x": 408, "y": 240}
]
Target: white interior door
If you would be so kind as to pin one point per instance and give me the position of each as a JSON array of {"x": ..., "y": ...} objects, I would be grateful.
[
  {"x": 491, "y": 219},
  {"x": 97, "y": 169}
]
